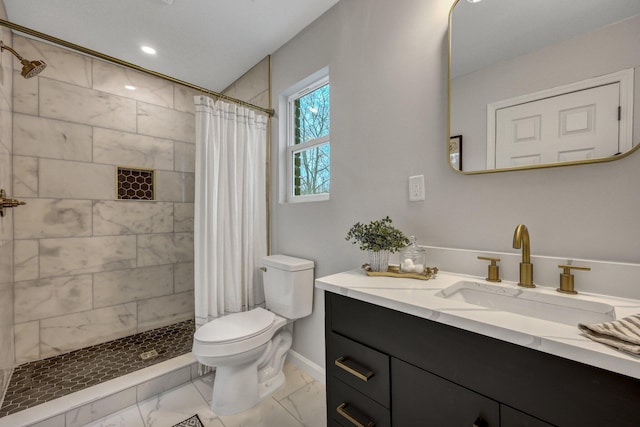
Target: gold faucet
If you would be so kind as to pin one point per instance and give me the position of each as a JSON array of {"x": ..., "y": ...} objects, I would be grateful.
[{"x": 521, "y": 239}]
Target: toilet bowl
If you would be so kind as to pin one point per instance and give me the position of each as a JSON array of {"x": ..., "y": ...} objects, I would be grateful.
[{"x": 248, "y": 349}]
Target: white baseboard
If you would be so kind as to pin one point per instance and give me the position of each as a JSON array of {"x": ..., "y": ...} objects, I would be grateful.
[{"x": 311, "y": 368}]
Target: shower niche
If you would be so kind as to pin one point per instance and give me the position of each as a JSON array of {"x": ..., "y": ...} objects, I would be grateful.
[{"x": 135, "y": 184}]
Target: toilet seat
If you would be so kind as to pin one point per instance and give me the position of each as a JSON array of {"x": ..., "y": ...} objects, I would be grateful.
[
  {"x": 236, "y": 326},
  {"x": 236, "y": 333}
]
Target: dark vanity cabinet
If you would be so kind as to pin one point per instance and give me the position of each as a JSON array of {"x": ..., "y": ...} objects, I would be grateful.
[{"x": 387, "y": 368}]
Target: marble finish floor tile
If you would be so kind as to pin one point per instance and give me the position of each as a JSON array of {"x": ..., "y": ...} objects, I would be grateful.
[
  {"x": 173, "y": 406},
  {"x": 267, "y": 413},
  {"x": 299, "y": 403},
  {"x": 128, "y": 417},
  {"x": 308, "y": 405},
  {"x": 296, "y": 379}
]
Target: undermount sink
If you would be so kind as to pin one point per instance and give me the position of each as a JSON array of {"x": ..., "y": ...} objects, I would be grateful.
[{"x": 556, "y": 308}]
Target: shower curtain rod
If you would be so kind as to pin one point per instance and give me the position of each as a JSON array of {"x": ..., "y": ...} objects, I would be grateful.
[{"x": 269, "y": 111}]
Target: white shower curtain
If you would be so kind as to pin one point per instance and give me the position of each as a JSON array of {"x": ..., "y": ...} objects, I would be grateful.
[{"x": 230, "y": 208}]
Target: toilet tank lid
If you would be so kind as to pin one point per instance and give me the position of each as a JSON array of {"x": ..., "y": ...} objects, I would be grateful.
[{"x": 287, "y": 263}]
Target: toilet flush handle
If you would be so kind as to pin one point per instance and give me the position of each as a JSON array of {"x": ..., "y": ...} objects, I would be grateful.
[{"x": 263, "y": 269}]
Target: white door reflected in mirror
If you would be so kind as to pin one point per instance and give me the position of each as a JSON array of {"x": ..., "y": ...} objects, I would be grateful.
[{"x": 574, "y": 126}]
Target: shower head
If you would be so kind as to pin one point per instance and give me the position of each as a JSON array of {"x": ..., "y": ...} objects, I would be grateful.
[
  {"x": 29, "y": 68},
  {"x": 32, "y": 68}
]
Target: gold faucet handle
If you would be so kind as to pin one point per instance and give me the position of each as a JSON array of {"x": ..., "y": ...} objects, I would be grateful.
[
  {"x": 566, "y": 278},
  {"x": 493, "y": 269},
  {"x": 6, "y": 202},
  {"x": 568, "y": 268},
  {"x": 493, "y": 260}
]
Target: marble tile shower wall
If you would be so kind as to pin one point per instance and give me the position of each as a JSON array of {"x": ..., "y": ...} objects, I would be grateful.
[
  {"x": 90, "y": 268},
  {"x": 252, "y": 86},
  {"x": 6, "y": 230}
]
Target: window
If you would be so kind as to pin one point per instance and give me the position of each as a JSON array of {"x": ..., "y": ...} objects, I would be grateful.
[{"x": 308, "y": 144}]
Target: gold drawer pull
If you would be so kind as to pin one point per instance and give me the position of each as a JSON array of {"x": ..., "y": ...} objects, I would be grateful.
[
  {"x": 342, "y": 410},
  {"x": 354, "y": 368}
]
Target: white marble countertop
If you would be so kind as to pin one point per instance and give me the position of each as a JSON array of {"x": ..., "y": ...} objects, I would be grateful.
[{"x": 418, "y": 298}]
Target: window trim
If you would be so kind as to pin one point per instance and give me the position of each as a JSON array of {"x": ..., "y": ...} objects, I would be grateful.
[
  {"x": 291, "y": 150},
  {"x": 292, "y": 147}
]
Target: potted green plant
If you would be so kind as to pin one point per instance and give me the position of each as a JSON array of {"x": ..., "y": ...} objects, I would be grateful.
[{"x": 379, "y": 238}]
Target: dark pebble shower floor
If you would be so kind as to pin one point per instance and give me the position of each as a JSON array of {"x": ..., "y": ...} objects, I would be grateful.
[{"x": 37, "y": 382}]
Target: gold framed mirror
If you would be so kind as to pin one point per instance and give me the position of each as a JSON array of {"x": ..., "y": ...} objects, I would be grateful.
[{"x": 542, "y": 83}]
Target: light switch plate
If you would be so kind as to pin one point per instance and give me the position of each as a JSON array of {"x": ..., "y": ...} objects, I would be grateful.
[{"x": 416, "y": 188}]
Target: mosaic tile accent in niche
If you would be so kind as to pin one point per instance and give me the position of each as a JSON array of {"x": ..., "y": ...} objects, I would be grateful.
[
  {"x": 136, "y": 184},
  {"x": 43, "y": 380}
]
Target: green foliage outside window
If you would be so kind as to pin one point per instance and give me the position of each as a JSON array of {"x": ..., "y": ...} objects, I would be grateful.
[{"x": 312, "y": 122}]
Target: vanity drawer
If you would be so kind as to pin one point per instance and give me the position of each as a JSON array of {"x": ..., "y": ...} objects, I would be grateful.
[
  {"x": 359, "y": 366},
  {"x": 347, "y": 407},
  {"x": 423, "y": 399}
]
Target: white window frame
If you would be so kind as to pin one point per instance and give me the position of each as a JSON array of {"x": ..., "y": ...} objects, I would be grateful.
[{"x": 293, "y": 148}]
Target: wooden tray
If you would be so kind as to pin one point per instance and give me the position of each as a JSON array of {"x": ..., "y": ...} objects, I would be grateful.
[{"x": 394, "y": 271}]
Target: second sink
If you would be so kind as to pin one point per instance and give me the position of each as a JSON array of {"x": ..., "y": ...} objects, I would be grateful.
[{"x": 556, "y": 308}]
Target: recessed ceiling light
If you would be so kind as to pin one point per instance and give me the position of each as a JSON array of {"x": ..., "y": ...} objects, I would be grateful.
[
  {"x": 129, "y": 87},
  {"x": 148, "y": 49}
]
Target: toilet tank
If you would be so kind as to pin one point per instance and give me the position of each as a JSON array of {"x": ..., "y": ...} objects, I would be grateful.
[{"x": 288, "y": 285}]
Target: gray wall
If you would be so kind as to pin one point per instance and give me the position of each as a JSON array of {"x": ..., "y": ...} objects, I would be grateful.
[
  {"x": 252, "y": 86},
  {"x": 388, "y": 70}
]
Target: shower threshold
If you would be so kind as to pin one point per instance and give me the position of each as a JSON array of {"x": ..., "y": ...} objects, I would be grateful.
[{"x": 41, "y": 381}]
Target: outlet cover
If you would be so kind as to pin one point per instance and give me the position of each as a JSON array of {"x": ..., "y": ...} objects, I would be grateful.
[{"x": 416, "y": 188}]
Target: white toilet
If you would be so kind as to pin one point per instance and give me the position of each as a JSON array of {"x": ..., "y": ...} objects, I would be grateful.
[{"x": 248, "y": 349}]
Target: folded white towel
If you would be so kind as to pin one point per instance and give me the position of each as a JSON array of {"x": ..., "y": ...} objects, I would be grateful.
[{"x": 623, "y": 334}]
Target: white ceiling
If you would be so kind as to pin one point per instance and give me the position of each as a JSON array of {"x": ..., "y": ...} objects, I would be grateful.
[{"x": 209, "y": 43}]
